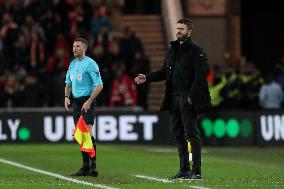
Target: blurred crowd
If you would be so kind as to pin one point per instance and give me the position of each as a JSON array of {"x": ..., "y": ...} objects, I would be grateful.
[
  {"x": 36, "y": 48},
  {"x": 246, "y": 87}
]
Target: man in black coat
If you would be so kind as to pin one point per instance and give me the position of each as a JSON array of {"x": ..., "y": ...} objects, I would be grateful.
[{"x": 185, "y": 71}]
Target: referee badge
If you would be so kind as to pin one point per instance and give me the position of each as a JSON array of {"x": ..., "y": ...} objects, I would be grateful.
[{"x": 79, "y": 77}]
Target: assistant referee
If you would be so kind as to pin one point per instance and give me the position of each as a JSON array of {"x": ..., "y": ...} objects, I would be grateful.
[{"x": 83, "y": 85}]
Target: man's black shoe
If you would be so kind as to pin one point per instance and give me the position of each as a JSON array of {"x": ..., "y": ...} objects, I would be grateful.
[
  {"x": 82, "y": 172},
  {"x": 195, "y": 176},
  {"x": 181, "y": 175},
  {"x": 94, "y": 173}
]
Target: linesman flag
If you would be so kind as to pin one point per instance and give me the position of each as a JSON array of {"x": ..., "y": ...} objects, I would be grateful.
[{"x": 83, "y": 137}]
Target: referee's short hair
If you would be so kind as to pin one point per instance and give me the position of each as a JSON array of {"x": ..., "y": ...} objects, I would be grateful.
[
  {"x": 82, "y": 40},
  {"x": 186, "y": 22}
]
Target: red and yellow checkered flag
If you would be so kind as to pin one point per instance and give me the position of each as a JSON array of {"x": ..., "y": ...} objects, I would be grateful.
[{"x": 83, "y": 137}]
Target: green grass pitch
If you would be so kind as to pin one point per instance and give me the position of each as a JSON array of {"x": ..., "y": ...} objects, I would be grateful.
[{"x": 221, "y": 167}]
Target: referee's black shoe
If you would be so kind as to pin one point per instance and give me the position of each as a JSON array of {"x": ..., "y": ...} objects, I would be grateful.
[
  {"x": 194, "y": 176},
  {"x": 93, "y": 173},
  {"x": 181, "y": 175},
  {"x": 82, "y": 172}
]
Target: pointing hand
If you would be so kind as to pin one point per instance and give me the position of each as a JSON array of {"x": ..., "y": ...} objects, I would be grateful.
[{"x": 141, "y": 78}]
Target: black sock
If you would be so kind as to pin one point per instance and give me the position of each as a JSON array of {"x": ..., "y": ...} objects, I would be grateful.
[
  {"x": 86, "y": 162},
  {"x": 93, "y": 159}
]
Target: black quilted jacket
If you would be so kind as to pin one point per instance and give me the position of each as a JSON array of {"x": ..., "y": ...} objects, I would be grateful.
[{"x": 194, "y": 69}]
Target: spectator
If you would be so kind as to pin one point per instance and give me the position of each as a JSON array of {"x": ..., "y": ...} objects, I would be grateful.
[
  {"x": 8, "y": 33},
  {"x": 31, "y": 27},
  {"x": 104, "y": 39},
  {"x": 100, "y": 18},
  {"x": 58, "y": 61},
  {"x": 62, "y": 8},
  {"x": 108, "y": 67},
  {"x": 61, "y": 56},
  {"x": 141, "y": 65},
  {"x": 37, "y": 51},
  {"x": 55, "y": 84},
  {"x": 270, "y": 95},
  {"x": 128, "y": 46},
  {"x": 123, "y": 90},
  {"x": 11, "y": 96},
  {"x": 22, "y": 51},
  {"x": 49, "y": 22},
  {"x": 33, "y": 94}
]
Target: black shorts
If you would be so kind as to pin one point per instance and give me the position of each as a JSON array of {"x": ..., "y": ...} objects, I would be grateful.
[{"x": 77, "y": 104}]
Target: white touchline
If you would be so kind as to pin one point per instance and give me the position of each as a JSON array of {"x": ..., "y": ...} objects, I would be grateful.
[
  {"x": 55, "y": 175},
  {"x": 198, "y": 187},
  {"x": 153, "y": 178},
  {"x": 165, "y": 181}
]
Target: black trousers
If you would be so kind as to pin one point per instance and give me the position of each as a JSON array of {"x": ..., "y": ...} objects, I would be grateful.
[
  {"x": 184, "y": 128},
  {"x": 77, "y": 104}
]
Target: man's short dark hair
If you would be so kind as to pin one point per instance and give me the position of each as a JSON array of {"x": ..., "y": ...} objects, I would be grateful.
[
  {"x": 186, "y": 22},
  {"x": 82, "y": 40}
]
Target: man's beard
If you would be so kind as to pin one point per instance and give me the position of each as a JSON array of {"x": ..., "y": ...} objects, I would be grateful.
[
  {"x": 181, "y": 37},
  {"x": 76, "y": 54}
]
